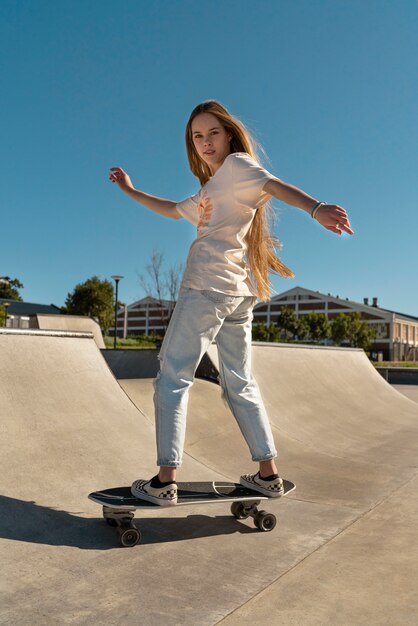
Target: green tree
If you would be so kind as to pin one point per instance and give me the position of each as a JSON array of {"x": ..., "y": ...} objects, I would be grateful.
[
  {"x": 9, "y": 289},
  {"x": 319, "y": 326},
  {"x": 287, "y": 323},
  {"x": 94, "y": 298},
  {"x": 359, "y": 334},
  {"x": 353, "y": 327},
  {"x": 302, "y": 330},
  {"x": 261, "y": 332},
  {"x": 339, "y": 329},
  {"x": 365, "y": 336},
  {"x": 273, "y": 332}
]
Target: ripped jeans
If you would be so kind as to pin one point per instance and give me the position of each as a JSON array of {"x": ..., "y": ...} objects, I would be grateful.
[{"x": 198, "y": 318}]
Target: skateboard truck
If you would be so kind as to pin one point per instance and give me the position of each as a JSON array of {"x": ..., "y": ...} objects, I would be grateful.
[
  {"x": 262, "y": 520},
  {"x": 129, "y": 534}
]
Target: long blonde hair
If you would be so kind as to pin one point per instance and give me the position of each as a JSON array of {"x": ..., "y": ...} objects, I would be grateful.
[{"x": 260, "y": 241}]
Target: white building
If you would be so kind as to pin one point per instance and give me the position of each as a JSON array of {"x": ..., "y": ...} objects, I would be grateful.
[
  {"x": 144, "y": 317},
  {"x": 396, "y": 333}
]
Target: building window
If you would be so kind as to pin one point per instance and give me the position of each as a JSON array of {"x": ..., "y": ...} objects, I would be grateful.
[{"x": 382, "y": 331}]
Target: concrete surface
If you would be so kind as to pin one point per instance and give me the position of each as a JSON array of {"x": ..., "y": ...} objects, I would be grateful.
[
  {"x": 344, "y": 550},
  {"x": 410, "y": 391},
  {"x": 355, "y": 579}
]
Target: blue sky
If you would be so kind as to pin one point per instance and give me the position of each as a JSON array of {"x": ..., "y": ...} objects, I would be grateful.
[{"x": 328, "y": 87}]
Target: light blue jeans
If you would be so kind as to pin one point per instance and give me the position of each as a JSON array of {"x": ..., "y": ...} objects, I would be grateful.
[{"x": 198, "y": 318}]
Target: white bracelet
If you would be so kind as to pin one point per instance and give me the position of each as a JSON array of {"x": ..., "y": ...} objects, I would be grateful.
[{"x": 315, "y": 209}]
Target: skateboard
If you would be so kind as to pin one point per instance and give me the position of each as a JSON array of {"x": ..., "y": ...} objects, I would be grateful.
[{"x": 119, "y": 505}]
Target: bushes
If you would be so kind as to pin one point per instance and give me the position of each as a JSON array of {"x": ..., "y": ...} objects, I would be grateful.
[{"x": 316, "y": 328}]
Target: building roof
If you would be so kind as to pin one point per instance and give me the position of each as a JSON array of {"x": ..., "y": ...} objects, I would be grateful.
[
  {"x": 402, "y": 315},
  {"x": 152, "y": 301},
  {"x": 28, "y": 308},
  {"x": 319, "y": 295}
]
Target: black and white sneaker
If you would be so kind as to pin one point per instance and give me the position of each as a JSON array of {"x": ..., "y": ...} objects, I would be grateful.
[
  {"x": 272, "y": 488},
  {"x": 163, "y": 496}
]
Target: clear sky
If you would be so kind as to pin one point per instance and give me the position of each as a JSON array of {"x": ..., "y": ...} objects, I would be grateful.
[{"x": 328, "y": 87}]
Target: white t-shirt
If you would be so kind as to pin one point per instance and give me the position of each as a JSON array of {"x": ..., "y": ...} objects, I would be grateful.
[{"x": 223, "y": 211}]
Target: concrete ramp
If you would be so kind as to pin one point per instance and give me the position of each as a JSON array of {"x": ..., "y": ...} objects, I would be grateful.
[
  {"x": 67, "y": 428},
  {"x": 61, "y": 410},
  {"x": 343, "y": 553},
  {"x": 334, "y": 401},
  {"x": 72, "y": 323}
]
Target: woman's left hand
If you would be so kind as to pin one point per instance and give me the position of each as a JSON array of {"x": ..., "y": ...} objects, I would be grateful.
[{"x": 334, "y": 218}]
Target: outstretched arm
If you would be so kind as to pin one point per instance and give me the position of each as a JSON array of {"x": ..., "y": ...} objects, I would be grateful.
[
  {"x": 331, "y": 216},
  {"x": 158, "y": 205}
]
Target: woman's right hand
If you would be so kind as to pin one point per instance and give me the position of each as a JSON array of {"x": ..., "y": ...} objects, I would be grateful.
[{"x": 119, "y": 176}]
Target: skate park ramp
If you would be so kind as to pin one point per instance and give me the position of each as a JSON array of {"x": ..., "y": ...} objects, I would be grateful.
[
  {"x": 77, "y": 323},
  {"x": 333, "y": 400},
  {"x": 349, "y": 441},
  {"x": 343, "y": 551}
]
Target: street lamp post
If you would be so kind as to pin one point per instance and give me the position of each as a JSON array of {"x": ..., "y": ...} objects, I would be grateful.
[{"x": 116, "y": 279}]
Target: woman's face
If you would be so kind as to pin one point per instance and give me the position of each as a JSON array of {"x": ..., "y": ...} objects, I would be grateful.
[{"x": 211, "y": 140}]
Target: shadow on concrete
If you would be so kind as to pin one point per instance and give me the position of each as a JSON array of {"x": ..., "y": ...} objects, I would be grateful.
[{"x": 33, "y": 523}]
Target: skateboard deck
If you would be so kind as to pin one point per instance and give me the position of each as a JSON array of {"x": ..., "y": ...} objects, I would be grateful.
[
  {"x": 187, "y": 493},
  {"x": 119, "y": 505}
]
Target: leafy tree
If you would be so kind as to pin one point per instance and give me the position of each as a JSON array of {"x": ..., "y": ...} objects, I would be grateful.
[
  {"x": 9, "y": 289},
  {"x": 359, "y": 334},
  {"x": 319, "y": 326},
  {"x": 261, "y": 332},
  {"x": 303, "y": 328},
  {"x": 288, "y": 323},
  {"x": 351, "y": 328},
  {"x": 339, "y": 328},
  {"x": 274, "y": 332},
  {"x": 364, "y": 336},
  {"x": 94, "y": 298}
]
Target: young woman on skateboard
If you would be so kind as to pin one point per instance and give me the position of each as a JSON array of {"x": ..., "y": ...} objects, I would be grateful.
[{"x": 226, "y": 271}]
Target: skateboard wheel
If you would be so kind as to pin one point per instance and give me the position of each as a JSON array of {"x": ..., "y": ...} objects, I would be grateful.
[
  {"x": 129, "y": 536},
  {"x": 238, "y": 510},
  {"x": 265, "y": 521}
]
